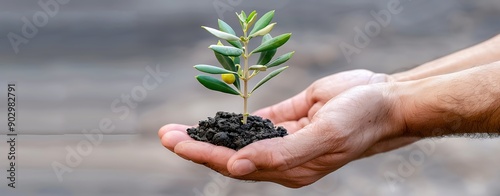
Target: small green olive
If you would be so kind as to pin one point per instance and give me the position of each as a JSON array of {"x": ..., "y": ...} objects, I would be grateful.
[{"x": 228, "y": 78}]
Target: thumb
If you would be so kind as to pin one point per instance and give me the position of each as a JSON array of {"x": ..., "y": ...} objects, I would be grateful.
[{"x": 278, "y": 153}]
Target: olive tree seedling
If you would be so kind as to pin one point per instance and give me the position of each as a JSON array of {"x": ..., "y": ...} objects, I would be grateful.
[{"x": 232, "y": 72}]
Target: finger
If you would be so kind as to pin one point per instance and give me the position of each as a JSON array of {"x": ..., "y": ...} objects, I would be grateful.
[
  {"x": 314, "y": 109},
  {"x": 171, "y": 127},
  {"x": 278, "y": 153},
  {"x": 288, "y": 110},
  {"x": 210, "y": 155},
  {"x": 171, "y": 138},
  {"x": 293, "y": 178},
  {"x": 378, "y": 78},
  {"x": 216, "y": 158}
]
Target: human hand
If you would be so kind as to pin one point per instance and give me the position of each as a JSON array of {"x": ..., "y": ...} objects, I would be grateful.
[
  {"x": 296, "y": 112},
  {"x": 316, "y": 145},
  {"x": 304, "y": 105}
]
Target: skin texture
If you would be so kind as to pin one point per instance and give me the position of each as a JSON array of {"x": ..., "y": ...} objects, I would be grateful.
[{"x": 354, "y": 114}]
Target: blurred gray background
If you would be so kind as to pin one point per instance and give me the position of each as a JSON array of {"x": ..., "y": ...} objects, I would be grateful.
[{"x": 86, "y": 58}]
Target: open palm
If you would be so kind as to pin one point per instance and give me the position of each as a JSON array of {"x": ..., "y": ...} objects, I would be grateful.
[{"x": 319, "y": 141}]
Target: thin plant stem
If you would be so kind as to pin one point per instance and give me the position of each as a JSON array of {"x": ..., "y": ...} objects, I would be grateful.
[{"x": 245, "y": 79}]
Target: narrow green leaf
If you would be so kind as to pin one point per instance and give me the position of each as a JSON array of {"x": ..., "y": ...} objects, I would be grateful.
[
  {"x": 216, "y": 85},
  {"x": 258, "y": 67},
  {"x": 263, "y": 31},
  {"x": 236, "y": 60},
  {"x": 222, "y": 35},
  {"x": 268, "y": 77},
  {"x": 251, "y": 20},
  {"x": 252, "y": 14},
  {"x": 225, "y": 61},
  {"x": 226, "y": 50},
  {"x": 212, "y": 69},
  {"x": 263, "y": 22},
  {"x": 224, "y": 27},
  {"x": 273, "y": 43},
  {"x": 266, "y": 56},
  {"x": 266, "y": 38},
  {"x": 280, "y": 60},
  {"x": 241, "y": 17},
  {"x": 244, "y": 15},
  {"x": 237, "y": 82}
]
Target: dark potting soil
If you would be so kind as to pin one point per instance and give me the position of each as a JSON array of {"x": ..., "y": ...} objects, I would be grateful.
[{"x": 227, "y": 129}]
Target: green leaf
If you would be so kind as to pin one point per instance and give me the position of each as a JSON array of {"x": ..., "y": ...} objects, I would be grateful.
[
  {"x": 263, "y": 31},
  {"x": 220, "y": 34},
  {"x": 219, "y": 43},
  {"x": 258, "y": 67},
  {"x": 268, "y": 77},
  {"x": 252, "y": 15},
  {"x": 263, "y": 22},
  {"x": 226, "y": 50},
  {"x": 236, "y": 60},
  {"x": 241, "y": 18},
  {"x": 280, "y": 60},
  {"x": 273, "y": 43},
  {"x": 225, "y": 61},
  {"x": 251, "y": 19},
  {"x": 266, "y": 38},
  {"x": 216, "y": 85},
  {"x": 224, "y": 27},
  {"x": 237, "y": 82},
  {"x": 212, "y": 69},
  {"x": 244, "y": 16},
  {"x": 266, "y": 56}
]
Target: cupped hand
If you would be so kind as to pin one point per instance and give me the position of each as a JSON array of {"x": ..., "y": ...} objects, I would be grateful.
[
  {"x": 296, "y": 112},
  {"x": 325, "y": 133}
]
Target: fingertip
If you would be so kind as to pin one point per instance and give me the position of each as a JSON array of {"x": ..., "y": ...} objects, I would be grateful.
[
  {"x": 202, "y": 152},
  {"x": 172, "y": 138},
  {"x": 170, "y": 127},
  {"x": 164, "y": 130}
]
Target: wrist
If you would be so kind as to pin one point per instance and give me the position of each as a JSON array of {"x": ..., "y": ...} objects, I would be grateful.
[
  {"x": 396, "y": 125},
  {"x": 459, "y": 103},
  {"x": 425, "y": 109},
  {"x": 421, "y": 109},
  {"x": 410, "y": 105},
  {"x": 416, "y": 111}
]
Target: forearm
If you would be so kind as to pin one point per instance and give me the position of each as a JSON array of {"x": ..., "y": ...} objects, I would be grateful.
[
  {"x": 459, "y": 103},
  {"x": 480, "y": 54}
]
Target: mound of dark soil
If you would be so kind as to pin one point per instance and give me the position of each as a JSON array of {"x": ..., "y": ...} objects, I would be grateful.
[{"x": 227, "y": 129}]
